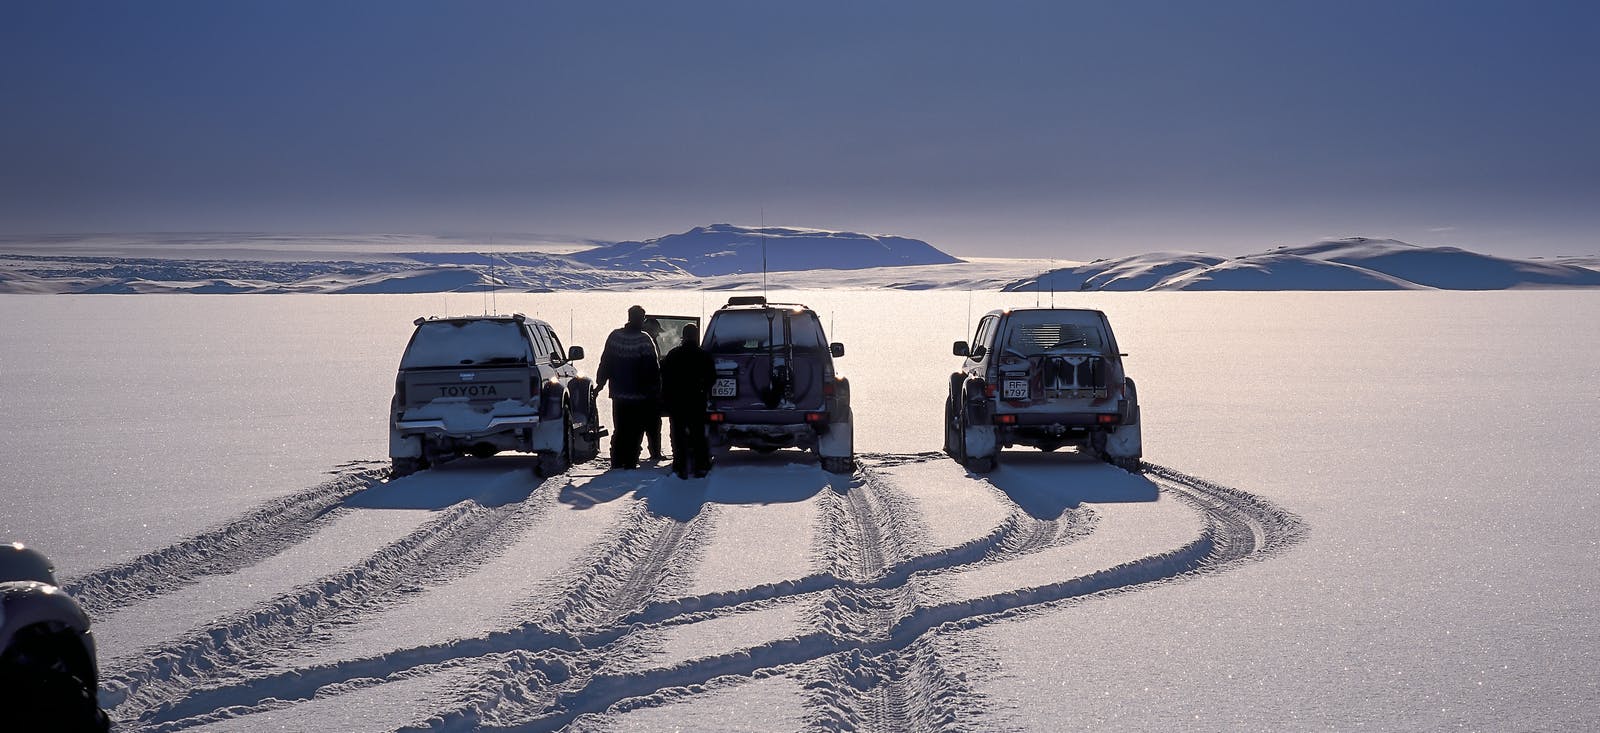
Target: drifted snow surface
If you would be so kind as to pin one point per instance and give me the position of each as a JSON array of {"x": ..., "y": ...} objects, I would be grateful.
[{"x": 1328, "y": 532}]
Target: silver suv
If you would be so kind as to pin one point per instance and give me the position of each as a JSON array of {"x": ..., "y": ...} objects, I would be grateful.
[
  {"x": 483, "y": 384},
  {"x": 775, "y": 385},
  {"x": 1042, "y": 377}
]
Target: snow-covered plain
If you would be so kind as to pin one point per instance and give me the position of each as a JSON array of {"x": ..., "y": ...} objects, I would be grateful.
[{"x": 1362, "y": 510}]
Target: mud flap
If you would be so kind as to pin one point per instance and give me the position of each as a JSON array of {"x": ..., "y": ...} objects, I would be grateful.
[
  {"x": 548, "y": 436},
  {"x": 404, "y": 446},
  {"x": 979, "y": 441},
  {"x": 839, "y": 440},
  {"x": 1125, "y": 442},
  {"x": 978, "y": 438}
]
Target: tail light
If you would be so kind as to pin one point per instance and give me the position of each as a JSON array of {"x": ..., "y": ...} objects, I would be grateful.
[
  {"x": 827, "y": 389},
  {"x": 1106, "y": 418},
  {"x": 816, "y": 417},
  {"x": 400, "y": 389},
  {"x": 990, "y": 390},
  {"x": 715, "y": 417},
  {"x": 1005, "y": 419}
]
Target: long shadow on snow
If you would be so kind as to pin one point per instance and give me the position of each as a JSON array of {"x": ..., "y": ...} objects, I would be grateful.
[
  {"x": 1047, "y": 485},
  {"x": 490, "y": 482}
]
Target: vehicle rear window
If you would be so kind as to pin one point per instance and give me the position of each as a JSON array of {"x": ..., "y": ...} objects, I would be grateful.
[
  {"x": 458, "y": 343},
  {"x": 1031, "y": 333},
  {"x": 735, "y": 331}
]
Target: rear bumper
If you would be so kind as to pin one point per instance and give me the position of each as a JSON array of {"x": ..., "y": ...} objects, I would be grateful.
[
  {"x": 439, "y": 426},
  {"x": 1062, "y": 419},
  {"x": 769, "y": 417}
]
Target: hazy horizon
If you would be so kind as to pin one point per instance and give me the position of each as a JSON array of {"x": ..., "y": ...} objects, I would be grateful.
[{"x": 1050, "y": 130}]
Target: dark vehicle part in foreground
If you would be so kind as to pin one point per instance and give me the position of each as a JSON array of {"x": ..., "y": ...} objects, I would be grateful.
[
  {"x": 776, "y": 386},
  {"x": 1042, "y": 377},
  {"x": 49, "y": 677},
  {"x": 479, "y": 385}
]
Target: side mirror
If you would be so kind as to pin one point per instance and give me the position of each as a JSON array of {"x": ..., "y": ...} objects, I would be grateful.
[
  {"x": 574, "y": 353},
  {"x": 959, "y": 348},
  {"x": 836, "y": 348}
]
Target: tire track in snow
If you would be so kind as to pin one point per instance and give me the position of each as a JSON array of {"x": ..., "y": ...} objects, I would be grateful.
[
  {"x": 456, "y": 540},
  {"x": 646, "y": 555},
  {"x": 551, "y": 677},
  {"x": 261, "y": 533},
  {"x": 1240, "y": 528},
  {"x": 909, "y": 688},
  {"x": 585, "y": 618},
  {"x": 899, "y": 690},
  {"x": 526, "y": 664}
]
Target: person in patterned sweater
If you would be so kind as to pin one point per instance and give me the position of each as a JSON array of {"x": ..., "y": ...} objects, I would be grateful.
[{"x": 631, "y": 367}]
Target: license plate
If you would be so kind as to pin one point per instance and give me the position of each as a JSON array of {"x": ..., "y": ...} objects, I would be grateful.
[
  {"x": 724, "y": 387},
  {"x": 1016, "y": 389}
]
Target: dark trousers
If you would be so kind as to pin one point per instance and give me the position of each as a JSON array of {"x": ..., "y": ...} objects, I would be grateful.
[
  {"x": 652, "y": 435},
  {"x": 690, "y": 451},
  {"x": 631, "y": 418}
]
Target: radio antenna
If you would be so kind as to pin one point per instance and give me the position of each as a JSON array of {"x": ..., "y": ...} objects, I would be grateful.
[
  {"x": 1052, "y": 283},
  {"x": 486, "y": 289},
  {"x": 969, "y": 310},
  {"x": 763, "y": 251}
]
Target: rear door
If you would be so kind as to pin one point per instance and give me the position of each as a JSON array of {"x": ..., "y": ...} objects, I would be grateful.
[{"x": 667, "y": 331}]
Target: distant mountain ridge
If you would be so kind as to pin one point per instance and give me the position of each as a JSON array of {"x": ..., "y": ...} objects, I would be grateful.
[
  {"x": 1353, "y": 263},
  {"x": 726, "y": 257},
  {"x": 726, "y": 249}
]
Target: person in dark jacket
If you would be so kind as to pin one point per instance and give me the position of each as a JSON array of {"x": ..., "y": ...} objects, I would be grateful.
[
  {"x": 630, "y": 365},
  {"x": 686, "y": 376}
]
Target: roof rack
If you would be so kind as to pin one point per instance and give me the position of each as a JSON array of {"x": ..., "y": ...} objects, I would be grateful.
[
  {"x": 748, "y": 300},
  {"x": 518, "y": 317}
]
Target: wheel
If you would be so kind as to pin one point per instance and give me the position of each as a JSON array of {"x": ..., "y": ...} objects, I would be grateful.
[
  {"x": 955, "y": 428},
  {"x": 47, "y": 682},
  {"x": 1097, "y": 446},
  {"x": 839, "y": 464},
  {"x": 406, "y": 466},
  {"x": 951, "y": 432}
]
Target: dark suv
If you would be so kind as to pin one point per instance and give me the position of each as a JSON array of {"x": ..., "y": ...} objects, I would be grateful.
[
  {"x": 48, "y": 672},
  {"x": 483, "y": 384},
  {"x": 1042, "y": 377},
  {"x": 775, "y": 386}
]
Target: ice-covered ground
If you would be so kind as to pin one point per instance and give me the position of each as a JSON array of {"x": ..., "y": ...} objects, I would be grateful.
[{"x": 1362, "y": 510}]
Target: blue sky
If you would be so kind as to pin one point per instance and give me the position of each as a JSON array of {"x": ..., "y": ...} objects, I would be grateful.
[{"x": 1052, "y": 129}]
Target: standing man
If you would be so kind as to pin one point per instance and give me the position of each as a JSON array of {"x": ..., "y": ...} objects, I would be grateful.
[
  {"x": 630, "y": 365},
  {"x": 687, "y": 373}
]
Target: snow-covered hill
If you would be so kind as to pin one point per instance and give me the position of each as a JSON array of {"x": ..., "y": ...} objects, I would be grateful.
[
  {"x": 725, "y": 257},
  {"x": 1355, "y": 263},
  {"x": 725, "y": 249}
]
